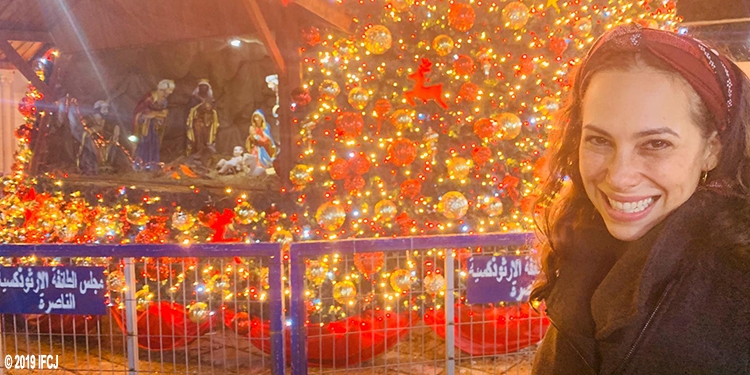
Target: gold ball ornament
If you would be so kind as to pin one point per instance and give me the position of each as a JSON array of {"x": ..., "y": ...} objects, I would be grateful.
[
  {"x": 317, "y": 272},
  {"x": 443, "y": 45},
  {"x": 67, "y": 233},
  {"x": 116, "y": 281},
  {"x": 582, "y": 28},
  {"x": 329, "y": 89},
  {"x": 284, "y": 237},
  {"x": 386, "y": 210},
  {"x": 143, "y": 298},
  {"x": 403, "y": 118},
  {"x": 548, "y": 106},
  {"x": 492, "y": 206},
  {"x": 182, "y": 221},
  {"x": 378, "y": 39},
  {"x": 401, "y": 280},
  {"x": 434, "y": 283},
  {"x": 198, "y": 312},
  {"x": 244, "y": 213},
  {"x": 220, "y": 282},
  {"x": 345, "y": 49},
  {"x": 459, "y": 168},
  {"x": 358, "y": 98},
  {"x": 330, "y": 216},
  {"x": 345, "y": 292},
  {"x": 509, "y": 125},
  {"x": 136, "y": 215},
  {"x": 401, "y": 5},
  {"x": 515, "y": 15},
  {"x": 453, "y": 205},
  {"x": 301, "y": 175}
]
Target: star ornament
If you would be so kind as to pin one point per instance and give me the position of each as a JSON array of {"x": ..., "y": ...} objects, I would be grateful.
[{"x": 553, "y": 3}]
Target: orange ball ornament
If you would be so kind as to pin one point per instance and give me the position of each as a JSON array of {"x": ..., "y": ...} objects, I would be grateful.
[
  {"x": 369, "y": 263},
  {"x": 510, "y": 125},
  {"x": 382, "y": 107},
  {"x": 485, "y": 128},
  {"x": 359, "y": 164},
  {"x": 515, "y": 15},
  {"x": 411, "y": 188},
  {"x": 461, "y": 17},
  {"x": 350, "y": 124},
  {"x": 402, "y": 152},
  {"x": 464, "y": 65},
  {"x": 443, "y": 45},
  {"x": 338, "y": 169},
  {"x": 468, "y": 92},
  {"x": 330, "y": 216}
]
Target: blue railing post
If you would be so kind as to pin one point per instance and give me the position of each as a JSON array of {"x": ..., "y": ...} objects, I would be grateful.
[
  {"x": 276, "y": 300},
  {"x": 298, "y": 312}
]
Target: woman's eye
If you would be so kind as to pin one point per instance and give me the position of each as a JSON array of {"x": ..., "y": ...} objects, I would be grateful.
[
  {"x": 597, "y": 140},
  {"x": 657, "y": 144}
]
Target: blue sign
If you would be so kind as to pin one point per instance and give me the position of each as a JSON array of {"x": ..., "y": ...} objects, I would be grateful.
[
  {"x": 52, "y": 290},
  {"x": 493, "y": 279}
]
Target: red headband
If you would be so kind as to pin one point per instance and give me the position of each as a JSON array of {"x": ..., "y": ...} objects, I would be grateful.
[{"x": 711, "y": 75}]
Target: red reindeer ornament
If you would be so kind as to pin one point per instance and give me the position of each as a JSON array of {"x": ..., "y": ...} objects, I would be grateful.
[{"x": 434, "y": 92}]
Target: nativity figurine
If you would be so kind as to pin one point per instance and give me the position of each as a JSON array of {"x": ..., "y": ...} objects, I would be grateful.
[
  {"x": 149, "y": 123},
  {"x": 239, "y": 163},
  {"x": 260, "y": 143}
]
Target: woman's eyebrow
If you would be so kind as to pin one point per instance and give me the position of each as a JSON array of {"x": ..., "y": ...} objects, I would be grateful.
[{"x": 640, "y": 134}]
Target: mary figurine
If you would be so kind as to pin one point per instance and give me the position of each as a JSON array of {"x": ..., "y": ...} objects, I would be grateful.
[{"x": 260, "y": 142}]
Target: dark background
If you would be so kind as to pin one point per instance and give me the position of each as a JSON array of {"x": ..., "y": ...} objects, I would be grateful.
[{"x": 733, "y": 38}]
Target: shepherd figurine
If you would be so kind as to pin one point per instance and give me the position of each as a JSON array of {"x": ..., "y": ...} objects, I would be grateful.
[{"x": 434, "y": 92}]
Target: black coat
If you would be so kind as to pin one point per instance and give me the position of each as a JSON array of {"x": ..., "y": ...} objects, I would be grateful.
[{"x": 676, "y": 302}]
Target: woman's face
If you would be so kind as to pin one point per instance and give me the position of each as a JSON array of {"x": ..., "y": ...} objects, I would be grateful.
[{"x": 641, "y": 153}]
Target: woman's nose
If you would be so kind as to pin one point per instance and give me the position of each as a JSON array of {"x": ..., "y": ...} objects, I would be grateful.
[{"x": 623, "y": 171}]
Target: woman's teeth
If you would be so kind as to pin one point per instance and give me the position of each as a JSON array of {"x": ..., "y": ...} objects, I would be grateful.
[{"x": 631, "y": 207}]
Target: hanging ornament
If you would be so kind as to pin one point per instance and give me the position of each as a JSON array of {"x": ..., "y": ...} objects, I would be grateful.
[
  {"x": 386, "y": 210},
  {"x": 301, "y": 175},
  {"x": 345, "y": 293},
  {"x": 330, "y": 216},
  {"x": 469, "y": 92},
  {"x": 491, "y": 205},
  {"x": 485, "y": 128},
  {"x": 453, "y": 205},
  {"x": 401, "y": 5},
  {"x": 369, "y": 263},
  {"x": 401, "y": 280},
  {"x": 481, "y": 155},
  {"x": 434, "y": 283},
  {"x": 338, "y": 169},
  {"x": 136, "y": 215},
  {"x": 358, "y": 98},
  {"x": 402, "y": 152},
  {"x": 350, "y": 124},
  {"x": 116, "y": 281},
  {"x": 382, "y": 107},
  {"x": 198, "y": 312},
  {"x": 582, "y": 28},
  {"x": 403, "y": 118},
  {"x": 182, "y": 221},
  {"x": 461, "y": 17},
  {"x": 329, "y": 89},
  {"x": 548, "y": 106},
  {"x": 443, "y": 45},
  {"x": 143, "y": 298},
  {"x": 426, "y": 93},
  {"x": 359, "y": 164},
  {"x": 411, "y": 188},
  {"x": 311, "y": 36},
  {"x": 464, "y": 65},
  {"x": 509, "y": 124},
  {"x": 316, "y": 272},
  {"x": 486, "y": 57},
  {"x": 378, "y": 39},
  {"x": 557, "y": 46},
  {"x": 245, "y": 213},
  {"x": 515, "y": 15},
  {"x": 459, "y": 168},
  {"x": 301, "y": 96}
]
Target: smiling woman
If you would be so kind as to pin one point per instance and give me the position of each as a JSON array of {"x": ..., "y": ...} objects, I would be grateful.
[{"x": 646, "y": 245}]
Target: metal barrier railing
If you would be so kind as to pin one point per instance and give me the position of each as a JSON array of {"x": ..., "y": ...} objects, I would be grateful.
[
  {"x": 210, "y": 308},
  {"x": 399, "y": 305}
]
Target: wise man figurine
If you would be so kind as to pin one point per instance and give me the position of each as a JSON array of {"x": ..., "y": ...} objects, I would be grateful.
[
  {"x": 201, "y": 94},
  {"x": 202, "y": 126},
  {"x": 99, "y": 141},
  {"x": 149, "y": 123}
]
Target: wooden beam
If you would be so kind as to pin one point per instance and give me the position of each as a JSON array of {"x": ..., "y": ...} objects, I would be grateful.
[
  {"x": 12, "y": 56},
  {"x": 256, "y": 16},
  {"x": 329, "y": 13},
  {"x": 26, "y": 36}
]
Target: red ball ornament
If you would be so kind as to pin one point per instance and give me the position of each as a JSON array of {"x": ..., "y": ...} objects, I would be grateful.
[
  {"x": 350, "y": 124},
  {"x": 411, "y": 188},
  {"x": 311, "y": 36},
  {"x": 301, "y": 96},
  {"x": 485, "y": 128},
  {"x": 526, "y": 66},
  {"x": 382, "y": 107},
  {"x": 468, "y": 92},
  {"x": 464, "y": 65},
  {"x": 26, "y": 107},
  {"x": 461, "y": 17},
  {"x": 369, "y": 263},
  {"x": 402, "y": 152},
  {"x": 359, "y": 164},
  {"x": 338, "y": 169},
  {"x": 481, "y": 155},
  {"x": 557, "y": 46},
  {"x": 354, "y": 184}
]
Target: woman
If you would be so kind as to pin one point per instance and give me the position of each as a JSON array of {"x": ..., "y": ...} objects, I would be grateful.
[
  {"x": 260, "y": 142},
  {"x": 646, "y": 256}
]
